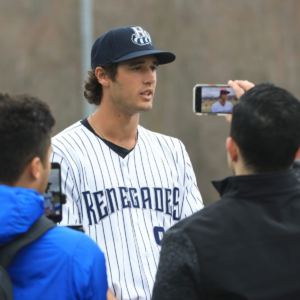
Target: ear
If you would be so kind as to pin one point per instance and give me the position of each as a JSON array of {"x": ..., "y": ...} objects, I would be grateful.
[
  {"x": 297, "y": 155},
  {"x": 232, "y": 149},
  {"x": 35, "y": 168},
  {"x": 102, "y": 77}
]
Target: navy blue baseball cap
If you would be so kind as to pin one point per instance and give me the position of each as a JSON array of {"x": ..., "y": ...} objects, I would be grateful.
[
  {"x": 125, "y": 43},
  {"x": 224, "y": 91}
]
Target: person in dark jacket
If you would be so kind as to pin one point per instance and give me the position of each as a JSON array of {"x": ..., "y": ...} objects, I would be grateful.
[
  {"x": 61, "y": 263},
  {"x": 247, "y": 245}
]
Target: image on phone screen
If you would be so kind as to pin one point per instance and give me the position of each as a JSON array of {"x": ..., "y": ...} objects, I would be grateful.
[
  {"x": 52, "y": 194},
  {"x": 214, "y": 99}
]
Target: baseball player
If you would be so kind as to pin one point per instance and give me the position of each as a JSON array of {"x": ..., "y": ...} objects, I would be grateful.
[
  {"x": 222, "y": 106},
  {"x": 125, "y": 184}
]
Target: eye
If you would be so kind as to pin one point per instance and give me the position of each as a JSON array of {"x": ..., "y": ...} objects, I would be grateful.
[
  {"x": 154, "y": 68},
  {"x": 136, "y": 68}
]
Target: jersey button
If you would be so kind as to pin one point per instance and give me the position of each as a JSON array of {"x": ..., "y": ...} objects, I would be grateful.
[{"x": 146, "y": 254}]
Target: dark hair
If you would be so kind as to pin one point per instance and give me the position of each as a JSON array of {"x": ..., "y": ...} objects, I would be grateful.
[
  {"x": 93, "y": 89},
  {"x": 266, "y": 127},
  {"x": 25, "y": 127}
]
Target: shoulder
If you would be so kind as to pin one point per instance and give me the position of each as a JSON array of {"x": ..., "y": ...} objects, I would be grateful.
[
  {"x": 72, "y": 135},
  {"x": 71, "y": 129},
  {"x": 215, "y": 104},
  {"x": 163, "y": 146},
  {"x": 204, "y": 220},
  {"x": 60, "y": 255},
  {"x": 64, "y": 244},
  {"x": 158, "y": 139},
  {"x": 72, "y": 243},
  {"x": 64, "y": 136},
  {"x": 69, "y": 142}
]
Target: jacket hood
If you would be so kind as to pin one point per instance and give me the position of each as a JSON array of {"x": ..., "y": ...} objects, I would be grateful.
[{"x": 20, "y": 208}]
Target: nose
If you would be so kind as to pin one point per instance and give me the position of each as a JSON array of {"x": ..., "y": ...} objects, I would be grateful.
[{"x": 150, "y": 77}]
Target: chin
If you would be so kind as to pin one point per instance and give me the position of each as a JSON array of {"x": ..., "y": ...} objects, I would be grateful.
[{"x": 146, "y": 107}]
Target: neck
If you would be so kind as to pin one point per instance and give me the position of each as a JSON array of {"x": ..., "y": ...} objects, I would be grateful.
[
  {"x": 239, "y": 172},
  {"x": 116, "y": 126},
  {"x": 241, "y": 169}
]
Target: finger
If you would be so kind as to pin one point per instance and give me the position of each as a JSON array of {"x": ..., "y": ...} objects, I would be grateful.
[
  {"x": 228, "y": 118},
  {"x": 245, "y": 84},
  {"x": 236, "y": 88}
]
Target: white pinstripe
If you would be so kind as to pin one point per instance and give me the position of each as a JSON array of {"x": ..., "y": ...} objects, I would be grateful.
[{"x": 91, "y": 171}]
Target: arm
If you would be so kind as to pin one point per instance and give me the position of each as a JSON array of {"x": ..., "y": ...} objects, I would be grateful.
[
  {"x": 192, "y": 201},
  {"x": 70, "y": 186},
  {"x": 89, "y": 271},
  {"x": 110, "y": 296},
  {"x": 178, "y": 275}
]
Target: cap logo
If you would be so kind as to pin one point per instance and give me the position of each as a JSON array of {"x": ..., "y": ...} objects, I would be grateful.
[{"x": 140, "y": 37}]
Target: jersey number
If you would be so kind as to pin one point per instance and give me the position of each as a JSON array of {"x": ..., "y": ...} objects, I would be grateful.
[{"x": 158, "y": 234}]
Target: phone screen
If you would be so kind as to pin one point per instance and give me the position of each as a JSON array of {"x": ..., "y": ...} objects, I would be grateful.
[
  {"x": 52, "y": 194},
  {"x": 214, "y": 99}
]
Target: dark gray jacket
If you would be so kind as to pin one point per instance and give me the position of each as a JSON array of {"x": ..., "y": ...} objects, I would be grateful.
[{"x": 245, "y": 246}]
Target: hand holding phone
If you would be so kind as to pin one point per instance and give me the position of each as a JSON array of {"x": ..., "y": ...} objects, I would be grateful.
[{"x": 240, "y": 86}]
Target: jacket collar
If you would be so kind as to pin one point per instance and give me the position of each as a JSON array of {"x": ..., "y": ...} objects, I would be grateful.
[{"x": 253, "y": 185}]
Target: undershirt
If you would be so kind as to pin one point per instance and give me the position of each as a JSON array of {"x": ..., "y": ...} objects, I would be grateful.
[{"x": 119, "y": 150}]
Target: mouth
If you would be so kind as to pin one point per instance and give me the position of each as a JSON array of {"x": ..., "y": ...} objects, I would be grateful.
[{"x": 147, "y": 94}]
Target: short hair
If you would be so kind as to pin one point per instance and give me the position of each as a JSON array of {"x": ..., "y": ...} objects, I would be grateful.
[
  {"x": 25, "y": 128},
  {"x": 266, "y": 127},
  {"x": 93, "y": 89}
]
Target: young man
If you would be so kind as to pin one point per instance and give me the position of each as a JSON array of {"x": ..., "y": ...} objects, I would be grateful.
[
  {"x": 222, "y": 106},
  {"x": 245, "y": 246},
  {"x": 125, "y": 184},
  {"x": 59, "y": 264}
]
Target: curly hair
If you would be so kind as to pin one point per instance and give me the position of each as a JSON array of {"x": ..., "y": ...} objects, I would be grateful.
[
  {"x": 93, "y": 89},
  {"x": 25, "y": 128}
]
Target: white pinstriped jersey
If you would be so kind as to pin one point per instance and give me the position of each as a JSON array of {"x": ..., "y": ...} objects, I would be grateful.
[{"x": 126, "y": 204}]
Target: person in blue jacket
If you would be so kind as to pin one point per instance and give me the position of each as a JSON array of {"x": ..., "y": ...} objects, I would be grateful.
[{"x": 62, "y": 263}]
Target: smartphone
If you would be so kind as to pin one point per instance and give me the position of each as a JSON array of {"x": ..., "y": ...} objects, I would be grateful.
[
  {"x": 53, "y": 196},
  {"x": 213, "y": 99}
]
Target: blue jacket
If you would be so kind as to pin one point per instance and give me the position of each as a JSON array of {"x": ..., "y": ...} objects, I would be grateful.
[{"x": 62, "y": 264}]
